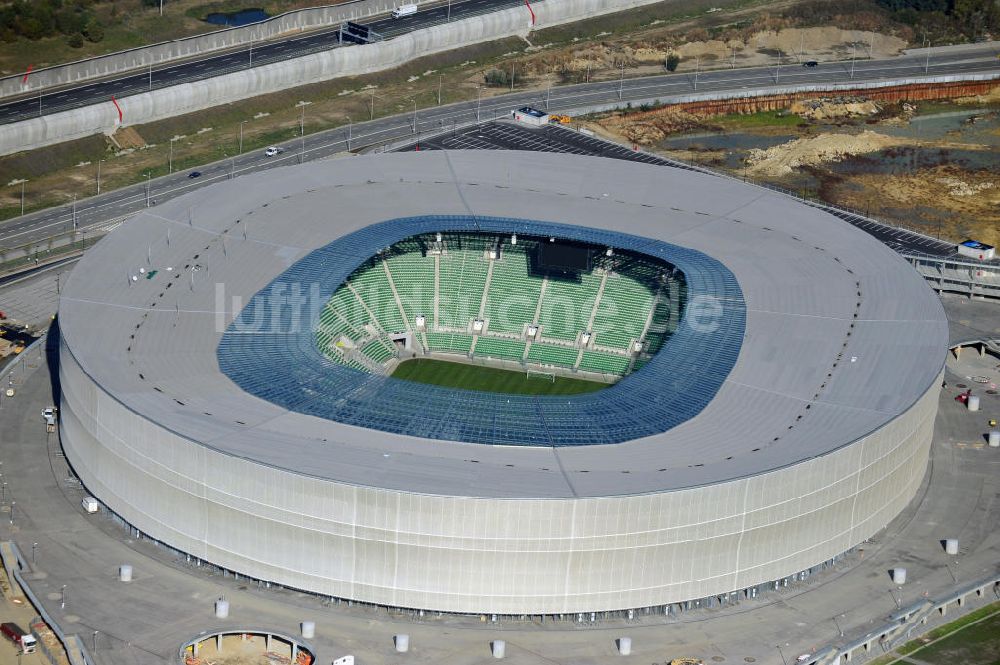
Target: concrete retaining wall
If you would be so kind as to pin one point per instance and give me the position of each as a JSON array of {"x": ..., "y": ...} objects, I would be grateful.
[
  {"x": 123, "y": 61},
  {"x": 347, "y": 61}
]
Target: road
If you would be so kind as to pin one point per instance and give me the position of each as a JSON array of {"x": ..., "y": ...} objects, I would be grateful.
[
  {"x": 218, "y": 64},
  {"x": 98, "y": 211}
]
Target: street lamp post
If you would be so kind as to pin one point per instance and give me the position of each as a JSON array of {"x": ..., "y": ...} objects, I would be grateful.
[
  {"x": 621, "y": 82},
  {"x": 148, "y": 175},
  {"x": 99, "y": 162},
  {"x": 74, "y": 212},
  {"x": 242, "y": 122},
  {"x": 34, "y": 546},
  {"x": 414, "y": 115},
  {"x": 479, "y": 100},
  {"x": 927, "y": 47},
  {"x": 22, "y": 196},
  {"x": 371, "y": 115},
  {"x": 350, "y": 124},
  {"x": 62, "y": 597}
]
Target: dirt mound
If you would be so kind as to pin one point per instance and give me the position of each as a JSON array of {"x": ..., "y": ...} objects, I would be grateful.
[
  {"x": 783, "y": 159},
  {"x": 651, "y": 127},
  {"x": 832, "y": 108},
  {"x": 127, "y": 137}
]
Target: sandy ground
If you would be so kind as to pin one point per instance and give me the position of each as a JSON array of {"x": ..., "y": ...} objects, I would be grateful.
[
  {"x": 763, "y": 48},
  {"x": 783, "y": 159}
]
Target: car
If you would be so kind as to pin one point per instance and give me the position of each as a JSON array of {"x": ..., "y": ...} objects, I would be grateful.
[
  {"x": 49, "y": 411},
  {"x": 271, "y": 151},
  {"x": 810, "y": 63},
  {"x": 194, "y": 174}
]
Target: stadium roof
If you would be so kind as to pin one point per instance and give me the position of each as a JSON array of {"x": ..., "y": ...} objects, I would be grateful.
[{"x": 840, "y": 334}]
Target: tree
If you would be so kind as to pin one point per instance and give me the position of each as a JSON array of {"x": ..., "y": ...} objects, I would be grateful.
[
  {"x": 75, "y": 40},
  {"x": 672, "y": 61},
  {"x": 496, "y": 78},
  {"x": 94, "y": 30}
]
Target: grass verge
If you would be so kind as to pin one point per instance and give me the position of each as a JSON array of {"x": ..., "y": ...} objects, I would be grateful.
[{"x": 489, "y": 379}]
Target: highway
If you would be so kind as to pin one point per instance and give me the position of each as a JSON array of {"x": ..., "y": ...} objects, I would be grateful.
[
  {"x": 228, "y": 61},
  {"x": 97, "y": 212}
]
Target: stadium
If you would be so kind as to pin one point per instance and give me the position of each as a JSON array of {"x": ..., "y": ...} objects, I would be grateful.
[{"x": 499, "y": 382}]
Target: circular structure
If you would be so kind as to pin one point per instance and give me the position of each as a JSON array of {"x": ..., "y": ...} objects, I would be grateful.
[{"x": 211, "y": 397}]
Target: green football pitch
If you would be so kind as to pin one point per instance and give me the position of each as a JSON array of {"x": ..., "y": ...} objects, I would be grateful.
[{"x": 490, "y": 379}]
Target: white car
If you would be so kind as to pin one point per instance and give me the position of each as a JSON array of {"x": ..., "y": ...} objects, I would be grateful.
[{"x": 271, "y": 151}]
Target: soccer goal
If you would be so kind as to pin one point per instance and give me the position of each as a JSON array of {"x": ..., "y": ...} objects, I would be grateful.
[{"x": 539, "y": 374}]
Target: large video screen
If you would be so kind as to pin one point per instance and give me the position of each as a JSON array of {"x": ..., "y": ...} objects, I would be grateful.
[{"x": 563, "y": 256}]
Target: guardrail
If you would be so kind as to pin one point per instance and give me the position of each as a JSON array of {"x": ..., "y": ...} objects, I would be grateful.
[
  {"x": 958, "y": 276},
  {"x": 902, "y": 624}
]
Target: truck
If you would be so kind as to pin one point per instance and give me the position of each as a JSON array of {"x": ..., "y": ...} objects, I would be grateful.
[
  {"x": 976, "y": 250},
  {"x": 404, "y": 10},
  {"x": 23, "y": 640}
]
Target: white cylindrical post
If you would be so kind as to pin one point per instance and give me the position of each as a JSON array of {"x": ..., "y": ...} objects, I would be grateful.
[
  {"x": 499, "y": 648},
  {"x": 402, "y": 642},
  {"x": 308, "y": 630},
  {"x": 951, "y": 546},
  {"x": 125, "y": 573},
  {"x": 221, "y": 608},
  {"x": 973, "y": 402},
  {"x": 625, "y": 646},
  {"x": 899, "y": 575},
  {"x": 994, "y": 439}
]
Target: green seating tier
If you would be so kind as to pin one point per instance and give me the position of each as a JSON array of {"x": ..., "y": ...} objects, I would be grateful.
[
  {"x": 372, "y": 286},
  {"x": 462, "y": 280},
  {"x": 552, "y": 355},
  {"x": 449, "y": 342},
  {"x": 604, "y": 362},
  {"x": 377, "y": 351},
  {"x": 567, "y": 305},
  {"x": 513, "y": 294},
  {"x": 493, "y": 347},
  {"x": 413, "y": 275},
  {"x": 622, "y": 312}
]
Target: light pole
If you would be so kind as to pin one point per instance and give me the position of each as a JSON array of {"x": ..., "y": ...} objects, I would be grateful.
[
  {"x": 12, "y": 504},
  {"x": 148, "y": 175},
  {"x": 62, "y": 597},
  {"x": 34, "y": 546},
  {"x": 782, "y": 653},
  {"x": 621, "y": 82},
  {"x": 839, "y": 629},
  {"x": 242, "y": 122},
  {"x": 440, "y": 79},
  {"x": 22, "y": 196},
  {"x": 854, "y": 53},
  {"x": 74, "y": 212},
  {"x": 479, "y": 100},
  {"x": 170, "y": 163},
  {"x": 449, "y": 11},
  {"x": 927, "y": 46},
  {"x": 371, "y": 115},
  {"x": 99, "y": 162},
  {"x": 151, "y": 77},
  {"x": 350, "y": 124},
  {"x": 697, "y": 68},
  {"x": 95, "y": 639},
  {"x": 414, "y": 115}
]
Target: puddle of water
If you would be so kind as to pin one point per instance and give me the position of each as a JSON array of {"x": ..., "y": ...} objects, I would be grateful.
[
  {"x": 734, "y": 145},
  {"x": 236, "y": 19},
  {"x": 910, "y": 159},
  {"x": 963, "y": 126}
]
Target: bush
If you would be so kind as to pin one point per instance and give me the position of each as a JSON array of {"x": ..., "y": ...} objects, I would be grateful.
[
  {"x": 672, "y": 61},
  {"x": 75, "y": 40},
  {"x": 496, "y": 78},
  {"x": 94, "y": 31}
]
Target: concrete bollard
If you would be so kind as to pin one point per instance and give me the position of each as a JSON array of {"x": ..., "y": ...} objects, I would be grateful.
[
  {"x": 402, "y": 642},
  {"x": 994, "y": 439},
  {"x": 973, "y": 402},
  {"x": 308, "y": 629},
  {"x": 499, "y": 648},
  {"x": 951, "y": 546},
  {"x": 221, "y": 608},
  {"x": 899, "y": 575},
  {"x": 625, "y": 646},
  {"x": 125, "y": 573}
]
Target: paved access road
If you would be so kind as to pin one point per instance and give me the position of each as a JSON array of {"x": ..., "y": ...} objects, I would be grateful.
[
  {"x": 97, "y": 211},
  {"x": 220, "y": 63}
]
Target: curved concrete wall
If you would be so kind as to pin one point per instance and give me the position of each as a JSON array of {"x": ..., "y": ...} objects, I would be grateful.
[
  {"x": 473, "y": 555},
  {"x": 348, "y": 61},
  {"x": 122, "y": 61}
]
